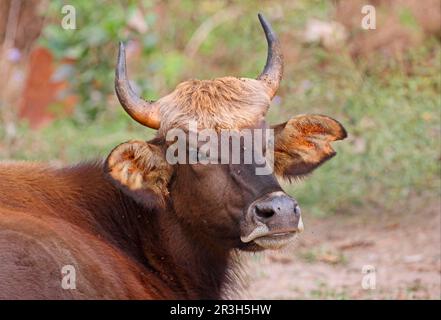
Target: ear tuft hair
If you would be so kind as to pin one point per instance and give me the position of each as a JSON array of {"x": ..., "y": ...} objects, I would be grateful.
[{"x": 140, "y": 170}]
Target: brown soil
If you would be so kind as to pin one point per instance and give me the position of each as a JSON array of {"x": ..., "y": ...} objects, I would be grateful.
[{"x": 327, "y": 260}]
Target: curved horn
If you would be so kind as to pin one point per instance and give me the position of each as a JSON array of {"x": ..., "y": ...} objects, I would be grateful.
[
  {"x": 146, "y": 113},
  {"x": 272, "y": 73}
]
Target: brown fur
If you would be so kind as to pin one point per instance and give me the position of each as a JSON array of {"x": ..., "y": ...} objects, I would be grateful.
[
  {"x": 120, "y": 249},
  {"x": 136, "y": 228},
  {"x": 222, "y": 103}
]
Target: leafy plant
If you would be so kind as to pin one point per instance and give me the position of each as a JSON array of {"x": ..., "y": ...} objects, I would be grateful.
[{"x": 87, "y": 55}]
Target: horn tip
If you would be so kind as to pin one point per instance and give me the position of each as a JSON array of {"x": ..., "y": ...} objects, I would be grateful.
[
  {"x": 269, "y": 33},
  {"x": 261, "y": 18}
]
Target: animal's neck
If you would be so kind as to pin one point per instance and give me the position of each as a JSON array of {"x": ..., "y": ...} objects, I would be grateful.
[
  {"x": 189, "y": 265},
  {"x": 153, "y": 237}
]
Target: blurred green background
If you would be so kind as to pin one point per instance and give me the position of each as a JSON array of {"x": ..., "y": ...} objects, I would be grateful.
[{"x": 383, "y": 84}]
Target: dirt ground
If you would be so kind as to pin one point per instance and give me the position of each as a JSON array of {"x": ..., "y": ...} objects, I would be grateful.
[{"x": 327, "y": 260}]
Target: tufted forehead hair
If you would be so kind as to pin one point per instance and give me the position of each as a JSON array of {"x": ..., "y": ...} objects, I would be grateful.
[{"x": 222, "y": 103}]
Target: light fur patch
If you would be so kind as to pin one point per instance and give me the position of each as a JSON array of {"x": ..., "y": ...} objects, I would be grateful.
[{"x": 222, "y": 103}]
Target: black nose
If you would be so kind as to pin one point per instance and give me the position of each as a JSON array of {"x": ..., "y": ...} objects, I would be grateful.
[{"x": 278, "y": 211}]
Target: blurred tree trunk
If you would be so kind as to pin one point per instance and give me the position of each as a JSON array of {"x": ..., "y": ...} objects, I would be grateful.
[
  {"x": 29, "y": 24},
  {"x": 21, "y": 23}
]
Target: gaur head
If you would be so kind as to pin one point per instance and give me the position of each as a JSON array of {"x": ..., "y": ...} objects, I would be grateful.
[{"x": 222, "y": 203}]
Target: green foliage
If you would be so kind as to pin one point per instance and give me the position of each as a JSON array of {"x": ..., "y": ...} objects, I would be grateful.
[
  {"x": 393, "y": 120},
  {"x": 91, "y": 48}
]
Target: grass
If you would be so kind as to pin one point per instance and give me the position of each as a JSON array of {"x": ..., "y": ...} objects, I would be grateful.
[
  {"x": 393, "y": 120},
  {"x": 323, "y": 254},
  {"x": 390, "y": 108},
  {"x": 323, "y": 292}
]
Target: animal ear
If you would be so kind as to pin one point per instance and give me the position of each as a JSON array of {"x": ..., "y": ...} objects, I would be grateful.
[
  {"x": 303, "y": 143},
  {"x": 141, "y": 171}
]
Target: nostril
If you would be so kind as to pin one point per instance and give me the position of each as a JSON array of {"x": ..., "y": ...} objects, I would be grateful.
[
  {"x": 264, "y": 212},
  {"x": 297, "y": 211}
]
